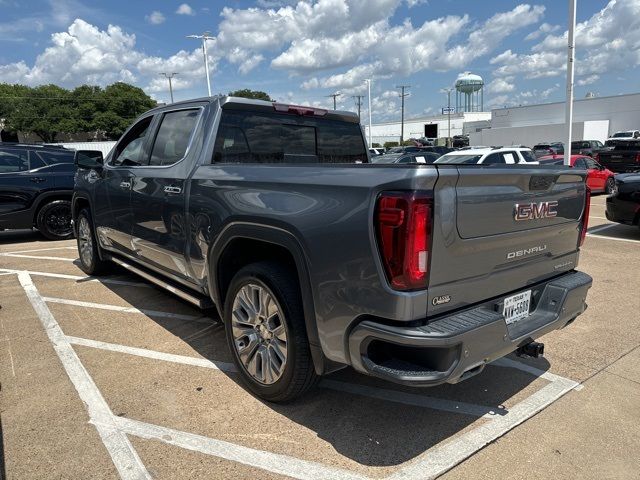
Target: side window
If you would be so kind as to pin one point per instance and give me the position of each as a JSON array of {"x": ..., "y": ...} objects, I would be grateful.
[
  {"x": 35, "y": 161},
  {"x": 494, "y": 159},
  {"x": 13, "y": 160},
  {"x": 580, "y": 163},
  {"x": 510, "y": 157},
  {"x": 528, "y": 156},
  {"x": 51, "y": 158},
  {"x": 130, "y": 151},
  {"x": 591, "y": 163},
  {"x": 173, "y": 137}
]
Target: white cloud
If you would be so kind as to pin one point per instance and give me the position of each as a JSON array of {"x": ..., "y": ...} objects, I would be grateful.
[
  {"x": 501, "y": 85},
  {"x": 543, "y": 29},
  {"x": 607, "y": 42},
  {"x": 86, "y": 54},
  {"x": 588, "y": 80},
  {"x": 185, "y": 9},
  {"x": 155, "y": 18},
  {"x": 415, "y": 3}
]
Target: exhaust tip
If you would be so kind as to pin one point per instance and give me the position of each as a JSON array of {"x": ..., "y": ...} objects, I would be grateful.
[{"x": 532, "y": 349}]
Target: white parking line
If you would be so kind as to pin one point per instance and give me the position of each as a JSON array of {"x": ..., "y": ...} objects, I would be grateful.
[
  {"x": 43, "y": 249},
  {"x": 417, "y": 400},
  {"x": 113, "y": 430},
  {"x": 19, "y": 255},
  {"x": 79, "y": 278},
  {"x": 124, "y": 456},
  {"x": 604, "y": 237},
  {"x": 118, "y": 308},
  {"x": 153, "y": 354},
  {"x": 591, "y": 231},
  {"x": 436, "y": 461},
  {"x": 271, "y": 462}
]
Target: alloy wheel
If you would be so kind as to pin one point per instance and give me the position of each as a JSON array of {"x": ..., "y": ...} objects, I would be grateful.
[{"x": 259, "y": 333}]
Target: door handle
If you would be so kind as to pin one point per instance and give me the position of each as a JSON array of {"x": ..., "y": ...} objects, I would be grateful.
[
  {"x": 172, "y": 189},
  {"x": 37, "y": 179},
  {"x": 125, "y": 185}
]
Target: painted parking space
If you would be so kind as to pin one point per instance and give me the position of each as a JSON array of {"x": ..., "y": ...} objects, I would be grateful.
[{"x": 160, "y": 391}]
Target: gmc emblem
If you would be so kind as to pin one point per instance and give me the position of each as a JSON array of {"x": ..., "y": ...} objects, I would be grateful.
[{"x": 534, "y": 211}]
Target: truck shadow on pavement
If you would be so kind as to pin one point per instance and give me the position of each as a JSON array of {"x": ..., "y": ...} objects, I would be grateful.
[
  {"x": 20, "y": 236},
  {"x": 370, "y": 431}
]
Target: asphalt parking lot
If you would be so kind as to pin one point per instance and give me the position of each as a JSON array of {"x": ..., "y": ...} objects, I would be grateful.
[{"x": 115, "y": 378}]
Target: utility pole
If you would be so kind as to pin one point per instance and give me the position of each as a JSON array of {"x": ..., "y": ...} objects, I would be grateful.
[
  {"x": 571, "y": 56},
  {"x": 448, "y": 92},
  {"x": 402, "y": 95},
  {"x": 205, "y": 36},
  {"x": 359, "y": 103},
  {"x": 334, "y": 95},
  {"x": 369, "y": 106},
  {"x": 169, "y": 76}
]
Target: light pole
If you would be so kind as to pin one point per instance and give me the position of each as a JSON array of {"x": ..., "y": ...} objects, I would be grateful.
[
  {"x": 448, "y": 92},
  {"x": 402, "y": 95},
  {"x": 205, "y": 36},
  {"x": 369, "y": 94},
  {"x": 169, "y": 76},
  {"x": 571, "y": 55}
]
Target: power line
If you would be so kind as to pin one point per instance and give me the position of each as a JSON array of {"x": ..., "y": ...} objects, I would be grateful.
[
  {"x": 358, "y": 99},
  {"x": 334, "y": 95},
  {"x": 402, "y": 95}
]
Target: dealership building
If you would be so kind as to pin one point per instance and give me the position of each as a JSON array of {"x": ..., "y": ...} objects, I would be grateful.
[
  {"x": 436, "y": 126},
  {"x": 594, "y": 118}
]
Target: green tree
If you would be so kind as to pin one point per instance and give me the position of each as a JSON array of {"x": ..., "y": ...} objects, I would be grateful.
[
  {"x": 255, "y": 94},
  {"x": 118, "y": 107},
  {"x": 46, "y": 111},
  {"x": 10, "y": 95},
  {"x": 390, "y": 144}
]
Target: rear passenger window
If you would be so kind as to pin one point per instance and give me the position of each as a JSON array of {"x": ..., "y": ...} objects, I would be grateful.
[
  {"x": 173, "y": 137},
  {"x": 580, "y": 163},
  {"x": 262, "y": 137},
  {"x": 493, "y": 159},
  {"x": 528, "y": 156},
  {"x": 55, "y": 157},
  {"x": 35, "y": 161},
  {"x": 13, "y": 160}
]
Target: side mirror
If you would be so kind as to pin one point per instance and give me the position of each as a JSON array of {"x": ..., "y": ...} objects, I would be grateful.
[{"x": 88, "y": 159}]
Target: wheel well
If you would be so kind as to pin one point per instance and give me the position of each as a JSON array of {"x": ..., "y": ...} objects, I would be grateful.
[
  {"x": 78, "y": 205},
  {"x": 244, "y": 251},
  {"x": 49, "y": 199}
]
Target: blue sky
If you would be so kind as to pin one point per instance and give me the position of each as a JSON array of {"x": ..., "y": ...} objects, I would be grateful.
[{"x": 302, "y": 51}]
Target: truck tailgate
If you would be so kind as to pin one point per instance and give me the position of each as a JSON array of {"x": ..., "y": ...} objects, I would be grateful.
[{"x": 498, "y": 230}]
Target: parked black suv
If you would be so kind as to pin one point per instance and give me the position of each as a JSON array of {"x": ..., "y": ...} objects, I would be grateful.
[{"x": 36, "y": 184}]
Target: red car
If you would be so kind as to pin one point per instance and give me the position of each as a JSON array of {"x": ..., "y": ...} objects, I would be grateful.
[{"x": 599, "y": 178}]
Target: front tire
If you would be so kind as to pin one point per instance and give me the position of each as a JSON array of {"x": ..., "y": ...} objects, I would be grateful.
[
  {"x": 265, "y": 329},
  {"x": 90, "y": 261},
  {"x": 610, "y": 187},
  {"x": 54, "y": 220}
]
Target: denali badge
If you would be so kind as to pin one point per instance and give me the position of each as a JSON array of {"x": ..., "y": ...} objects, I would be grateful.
[
  {"x": 533, "y": 211},
  {"x": 526, "y": 251},
  {"x": 441, "y": 299}
]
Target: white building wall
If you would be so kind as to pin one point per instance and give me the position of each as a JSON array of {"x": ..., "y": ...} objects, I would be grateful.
[
  {"x": 622, "y": 112},
  {"x": 531, "y": 135},
  {"x": 414, "y": 128}
]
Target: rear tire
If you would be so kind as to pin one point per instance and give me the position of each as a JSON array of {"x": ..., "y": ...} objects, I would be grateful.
[
  {"x": 266, "y": 332},
  {"x": 610, "y": 187},
  {"x": 54, "y": 220},
  {"x": 90, "y": 261}
]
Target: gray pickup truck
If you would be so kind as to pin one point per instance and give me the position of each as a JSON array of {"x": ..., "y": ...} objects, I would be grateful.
[{"x": 316, "y": 259}]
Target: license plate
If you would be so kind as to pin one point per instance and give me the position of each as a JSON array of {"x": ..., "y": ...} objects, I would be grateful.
[{"x": 516, "y": 307}]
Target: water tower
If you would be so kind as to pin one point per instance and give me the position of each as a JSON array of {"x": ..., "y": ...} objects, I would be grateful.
[{"x": 469, "y": 93}]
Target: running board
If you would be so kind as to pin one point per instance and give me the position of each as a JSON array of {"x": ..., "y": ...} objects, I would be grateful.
[{"x": 201, "y": 302}]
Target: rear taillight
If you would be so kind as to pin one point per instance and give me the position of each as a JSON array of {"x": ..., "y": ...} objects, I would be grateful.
[
  {"x": 637, "y": 157},
  {"x": 585, "y": 216},
  {"x": 403, "y": 224}
]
